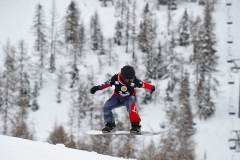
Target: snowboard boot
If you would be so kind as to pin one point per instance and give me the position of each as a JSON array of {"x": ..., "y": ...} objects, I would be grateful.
[
  {"x": 109, "y": 128},
  {"x": 136, "y": 128}
]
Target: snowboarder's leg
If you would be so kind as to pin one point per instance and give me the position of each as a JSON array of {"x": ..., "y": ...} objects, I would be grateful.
[
  {"x": 110, "y": 104},
  {"x": 132, "y": 110},
  {"x": 133, "y": 115}
]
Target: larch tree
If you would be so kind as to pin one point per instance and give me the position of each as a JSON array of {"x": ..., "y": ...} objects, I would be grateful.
[
  {"x": 41, "y": 45},
  {"x": 72, "y": 38},
  {"x": 184, "y": 31},
  {"x": 185, "y": 122},
  {"x": 59, "y": 135},
  {"x": 61, "y": 80},
  {"x": 72, "y": 23},
  {"x": 206, "y": 64},
  {"x": 133, "y": 28},
  {"x": 127, "y": 26},
  {"x": 96, "y": 33},
  {"x": 55, "y": 43},
  {"x": 19, "y": 121},
  {"x": 9, "y": 86},
  {"x": 118, "y": 37}
]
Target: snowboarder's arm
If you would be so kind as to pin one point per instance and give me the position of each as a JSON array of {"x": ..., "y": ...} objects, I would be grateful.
[
  {"x": 144, "y": 85},
  {"x": 108, "y": 83},
  {"x": 104, "y": 85},
  {"x": 100, "y": 87},
  {"x": 148, "y": 86}
]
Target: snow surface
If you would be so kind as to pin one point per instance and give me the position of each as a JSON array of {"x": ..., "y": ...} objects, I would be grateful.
[
  {"x": 19, "y": 149},
  {"x": 16, "y": 18}
]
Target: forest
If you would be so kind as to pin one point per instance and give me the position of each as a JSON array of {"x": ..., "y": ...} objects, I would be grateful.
[{"x": 71, "y": 56}]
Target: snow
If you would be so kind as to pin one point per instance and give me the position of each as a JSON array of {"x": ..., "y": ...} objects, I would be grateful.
[
  {"x": 16, "y": 18},
  {"x": 19, "y": 149}
]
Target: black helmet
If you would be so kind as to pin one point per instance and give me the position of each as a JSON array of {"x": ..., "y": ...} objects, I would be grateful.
[{"x": 128, "y": 72}]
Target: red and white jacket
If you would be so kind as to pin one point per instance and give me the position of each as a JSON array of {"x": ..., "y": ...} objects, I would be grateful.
[{"x": 125, "y": 89}]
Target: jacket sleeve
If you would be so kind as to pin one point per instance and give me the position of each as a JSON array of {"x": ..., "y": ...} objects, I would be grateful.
[
  {"x": 104, "y": 85},
  {"x": 108, "y": 83},
  {"x": 147, "y": 86}
]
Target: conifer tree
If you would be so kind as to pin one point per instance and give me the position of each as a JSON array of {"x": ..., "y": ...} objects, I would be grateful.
[
  {"x": 96, "y": 33},
  {"x": 59, "y": 135},
  {"x": 35, "y": 94},
  {"x": 60, "y": 83},
  {"x": 1, "y": 91},
  {"x": 162, "y": 2},
  {"x": 127, "y": 29},
  {"x": 82, "y": 39},
  {"x": 173, "y": 67},
  {"x": 147, "y": 44},
  {"x": 126, "y": 150},
  {"x": 118, "y": 33},
  {"x": 72, "y": 23},
  {"x": 104, "y": 2},
  {"x": 147, "y": 34},
  {"x": 41, "y": 44},
  {"x": 158, "y": 68},
  {"x": 23, "y": 67},
  {"x": 19, "y": 121},
  {"x": 169, "y": 141},
  {"x": 150, "y": 152},
  {"x": 9, "y": 87},
  {"x": 195, "y": 27},
  {"x": 120, "y": 8},
  {"x": 134, "y": 32},
  {"x": 178, "y": 143},
  {"x": 206, "y": 65},
  {"x": 74, "y": 37},
  {"x": 185, "y": 124},
  {"x": 184, "y": 38},
  {"x": 54, "y": 38},
  {"x": 20, "y": 126}
]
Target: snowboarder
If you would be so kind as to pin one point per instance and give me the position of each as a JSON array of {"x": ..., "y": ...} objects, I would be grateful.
[{"x": 125, "y": 83}]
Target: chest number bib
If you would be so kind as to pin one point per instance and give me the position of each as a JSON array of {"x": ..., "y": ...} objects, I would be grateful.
[{"x": 124, "y": 88}]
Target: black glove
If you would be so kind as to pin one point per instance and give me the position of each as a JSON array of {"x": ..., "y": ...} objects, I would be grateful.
[
  {"x": 153, "y": 89},
  {"x": 94, "y": 89}
]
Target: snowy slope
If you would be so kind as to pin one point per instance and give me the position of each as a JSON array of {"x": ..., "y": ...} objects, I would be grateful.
[
  {"x": 19, "y": 149},
  {"x": 16, "y": 18},
  {"x": 212, "y": 136}
]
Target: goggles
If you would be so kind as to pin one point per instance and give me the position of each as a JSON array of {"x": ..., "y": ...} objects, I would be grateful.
[{"x": 127, "y": 80}]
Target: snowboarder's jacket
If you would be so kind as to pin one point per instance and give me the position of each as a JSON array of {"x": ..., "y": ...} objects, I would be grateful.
[{"x": 125, "y": 89}]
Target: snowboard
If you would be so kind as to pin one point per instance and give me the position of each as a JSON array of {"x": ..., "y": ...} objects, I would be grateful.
[{"x": 146, "y": 133}]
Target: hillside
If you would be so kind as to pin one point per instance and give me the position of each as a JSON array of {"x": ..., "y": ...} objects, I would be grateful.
[
  {"x": 212, "y": 134},
  {"x": 16, "y": 148}
]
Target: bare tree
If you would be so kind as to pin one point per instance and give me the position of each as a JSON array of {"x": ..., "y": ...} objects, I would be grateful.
[
  {"x": 54, "y": 38},
  {"x": 133, "y": 27},
  {"x": 9, "y": 88},
  {"x": 23, "y": 76},
  {"x": 39, "y": 29},
  {"x": 60, "y": 83},
  {"x": 105, "y": 2},
  {"x": 59, "y": 135},
  {"x": 19, "y": 119}
]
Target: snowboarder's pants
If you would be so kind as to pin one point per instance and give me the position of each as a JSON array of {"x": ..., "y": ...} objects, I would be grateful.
[{"x": 115, "y": 102}]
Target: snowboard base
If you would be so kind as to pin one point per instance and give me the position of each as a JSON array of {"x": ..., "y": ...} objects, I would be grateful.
[{"x": 147, "y": 133}]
